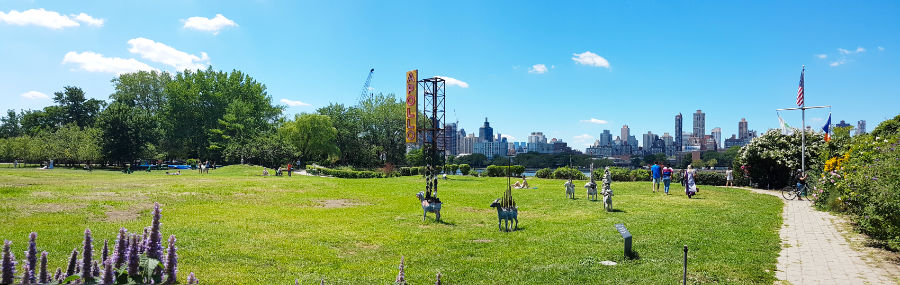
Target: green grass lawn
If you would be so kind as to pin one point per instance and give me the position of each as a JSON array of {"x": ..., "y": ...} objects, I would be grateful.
[{"x": 234, "y": 227}]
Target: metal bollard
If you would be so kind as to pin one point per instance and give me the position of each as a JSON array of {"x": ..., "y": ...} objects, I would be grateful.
[{"x": 684, "y": 279}]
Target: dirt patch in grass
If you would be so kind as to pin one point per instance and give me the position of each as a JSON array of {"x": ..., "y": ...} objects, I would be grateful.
[
  {"x": 50, "y": 208},
  {"x": 340, "y": 203},
  {"x": 477, "y": 210},
  {"x": 482, "y": 240},
  {"x": 122, "y": 215}
]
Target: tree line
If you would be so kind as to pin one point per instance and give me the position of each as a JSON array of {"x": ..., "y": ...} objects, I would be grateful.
[{"x": 226, "y": 117}]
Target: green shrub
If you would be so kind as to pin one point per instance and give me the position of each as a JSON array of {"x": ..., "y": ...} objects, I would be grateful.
[
  {"x": 640, "y": 175},
  {"x": 619, "y": 174},
  {"x": 495, "y": 171},
  {"x": 404, "y": 171},
  {"x": 420, "y": 170},
  {"x": 452, "y": 168},
  {"x": 345, "y": 173},
  {"x": 514, "y": 170},
  {"x": 544, "y": 173},
  {"x": 464, "y": 169},
  {"x": 566, "y": 172},
  {"x": 710, "y": 178}
]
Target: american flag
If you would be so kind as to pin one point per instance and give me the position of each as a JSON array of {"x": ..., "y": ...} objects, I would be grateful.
[{"x": 800, "y": 90}]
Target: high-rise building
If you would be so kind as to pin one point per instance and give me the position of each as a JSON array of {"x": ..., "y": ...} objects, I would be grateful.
[
  {"x": 679, "y": 140},
  {"x": 716, "y": 134},
  {"x": 743, "y": 132},
  {"x": 626, "y": 132},
  {"x": 537, "y": 137},
  {"x": 842, "y": 124},
  {"x": 699, "y": 124},
  {"x": 486, "y": 133},
  {"x": 605, "y": 138},
  {"x": 633, "y": 142},
  {"x": 648, "y": 140},
  {"x": 861, "y": 127},
  {"x": 668, "y": 143},
  {"x": 467, "y": 144},
  {"x": 449, "y": 142}
]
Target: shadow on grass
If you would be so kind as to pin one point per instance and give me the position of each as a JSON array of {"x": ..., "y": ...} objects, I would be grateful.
[
  {"x": 633, "y": 255},
  {"x": 617, "y": 211},
  {"x": 442, "y": 222}
]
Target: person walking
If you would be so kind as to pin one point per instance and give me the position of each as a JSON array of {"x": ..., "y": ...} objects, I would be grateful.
[
  {"x": 656, "y": 172},
  {"x": 729, "y": 177},
  {"x": 667, "y": 178},
  {"x": 690, "y": 186}
]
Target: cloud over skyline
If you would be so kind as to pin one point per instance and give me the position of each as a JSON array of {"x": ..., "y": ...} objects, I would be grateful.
[
  {"x": 293, "y": 103},
  {"x": 34, "y": 95},
  {"x": 95, "y": 62},
  {"x": 595, "y": 121}
]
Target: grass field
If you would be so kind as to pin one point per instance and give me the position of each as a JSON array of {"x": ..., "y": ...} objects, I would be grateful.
[{"x": 234, "y": 227}]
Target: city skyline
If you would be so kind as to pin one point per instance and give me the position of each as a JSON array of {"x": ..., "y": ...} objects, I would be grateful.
[{"x": 565, "y": 69}]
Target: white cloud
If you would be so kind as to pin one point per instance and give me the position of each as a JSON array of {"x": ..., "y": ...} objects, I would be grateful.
[
  {"x": 293, "y": 103},
  {"x": 591, "y": 59},
  {"x": 822, "y": 55},
  {"x": 95, "y": 62},
  {"x": 839, "y": 62},
  {"x": 584, "y": 137},
  {"x": 39, "y": 17},
  {"x": 538, "y": 68},
  {"x": 34, "y": 95},
  {"x": 454, "y": 82},
  {"x": 87, "y": 19},
  {"x": 857, "y": 50},
  {"x": 508, "y": 137},
  {"x": 880, "y": 48},
  {"x": 595, "y": 121},
  {"x": 159, "y": 52},
  {"x": 213, "y": 25}
]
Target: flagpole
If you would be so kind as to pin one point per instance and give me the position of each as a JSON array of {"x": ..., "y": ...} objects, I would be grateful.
[{"x": 803, "y": 134}]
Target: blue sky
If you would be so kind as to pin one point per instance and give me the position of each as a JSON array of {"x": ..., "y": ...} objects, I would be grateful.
[{"x": 521, "y": 64}]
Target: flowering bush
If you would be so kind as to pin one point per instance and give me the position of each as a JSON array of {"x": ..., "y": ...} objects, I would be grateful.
[
  {"x": 773, "y": 158},
  {"x": 134, "y": 260},
  {"x": 864, "y": 181}
]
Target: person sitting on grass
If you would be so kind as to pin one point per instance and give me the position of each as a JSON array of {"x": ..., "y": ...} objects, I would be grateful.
[
  {"x": 265, "y": 172},
  {"x": 522, "y": 185}
]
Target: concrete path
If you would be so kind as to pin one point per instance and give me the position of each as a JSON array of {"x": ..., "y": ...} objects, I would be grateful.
[{"x": 814, "y": 251}]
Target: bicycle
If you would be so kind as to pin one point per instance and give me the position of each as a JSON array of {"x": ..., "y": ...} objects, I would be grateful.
[{"x": 791, "y": 192}]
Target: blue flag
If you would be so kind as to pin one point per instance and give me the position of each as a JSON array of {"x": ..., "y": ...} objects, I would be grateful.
[{"x": 827, "y": 128}]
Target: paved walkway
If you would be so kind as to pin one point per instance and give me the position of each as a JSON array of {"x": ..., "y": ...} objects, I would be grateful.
[{"x": 814, "y": 251}]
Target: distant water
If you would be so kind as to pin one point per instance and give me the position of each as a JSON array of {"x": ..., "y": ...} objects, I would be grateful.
[{"x": 531, "y": 173}]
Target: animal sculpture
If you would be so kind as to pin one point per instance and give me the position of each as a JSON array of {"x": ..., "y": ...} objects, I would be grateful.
[
  {"x": 430, "y": 206},
  {"x": 506, "y": 215},
  {"x": 570, "y": 189},
  {"x": 607, "y": 191}
]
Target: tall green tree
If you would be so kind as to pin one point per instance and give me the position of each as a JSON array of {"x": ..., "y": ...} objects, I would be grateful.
[
  {"x": 313, "y": 136},
  {"x": 76, "y": 108},
  {"x": 349, "y": 125},
  {"x": 125, "y": 132},
  {"x": 10, "y": 125},
  {"x": 196, "y": 108}
]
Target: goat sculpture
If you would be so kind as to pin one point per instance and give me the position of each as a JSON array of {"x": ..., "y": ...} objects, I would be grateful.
[
  {"x": 570, "y": 189},
  {"x": 432, "y": 205},
  {"x": 506, "y": 211}
]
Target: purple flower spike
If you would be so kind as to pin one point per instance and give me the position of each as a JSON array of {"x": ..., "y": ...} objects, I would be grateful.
[
  {"x": 58, "y": 276},
  {"x": 191, "y": 279},
  {"x": 25, "y": 271},
  {"x": 121, "y": 254},
  {"x": 105, "y": 253},
  {"x": 31, "y": 257},
  {"x": 87, "y": 254},
  {"x": 134, "y": 260},
  {"x": 73, "y": 264},
  {"x": 154, "y": 241},
  {"x": 8, "y": 265},
  {"x": 438, "y": 282},
  {"x": 95, "y": 269},
  {"x": 44, "y": 275},
  {"x": 172, "y": 262},
  {"x": 108, "y": 273}
]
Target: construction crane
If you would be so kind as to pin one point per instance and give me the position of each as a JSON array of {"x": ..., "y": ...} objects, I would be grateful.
[{"x": 365, "y": 90}]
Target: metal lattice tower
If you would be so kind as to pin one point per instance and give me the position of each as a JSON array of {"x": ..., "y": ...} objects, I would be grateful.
[{"x": 432, "y": 130}]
